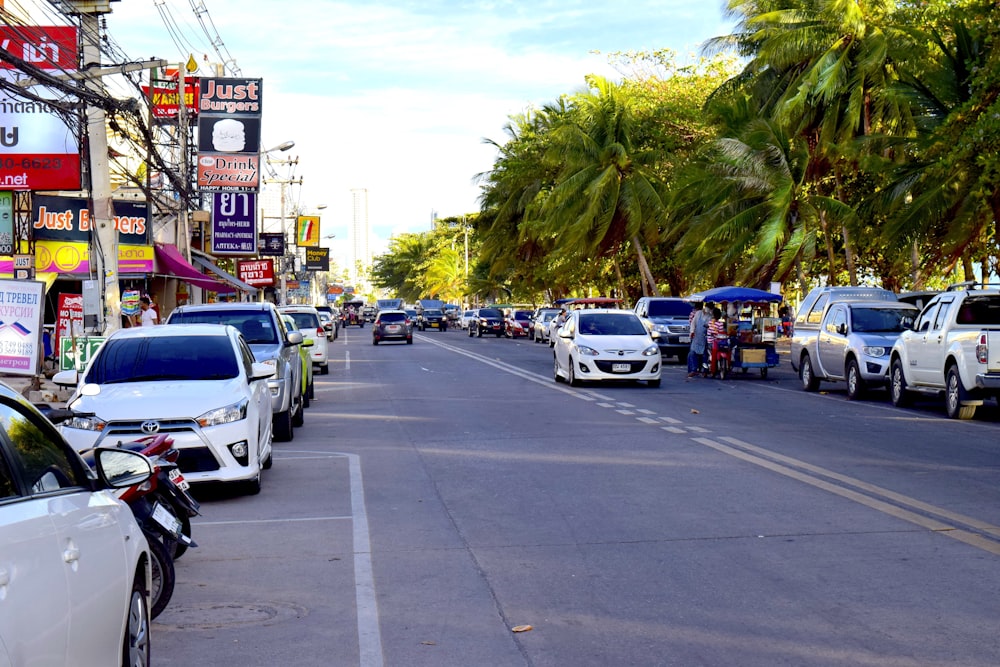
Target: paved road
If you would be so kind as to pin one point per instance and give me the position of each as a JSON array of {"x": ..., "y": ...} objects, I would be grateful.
[{"x": 442, "y": 493}]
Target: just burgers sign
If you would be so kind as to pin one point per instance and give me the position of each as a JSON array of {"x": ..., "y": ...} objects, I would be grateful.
[{"x": 229, "y": 116}]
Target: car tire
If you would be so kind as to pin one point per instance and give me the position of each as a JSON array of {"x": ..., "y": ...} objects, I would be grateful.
[
  {"x": 135, "y": 639},
  {"x": 856, "y": 387},
  {"x": 479, "y": 334},
  {"x": 655, "y": 384},
  {"x": 325, "y": 369},
  {"x": 252, "y": 487},
  {"x": 571, "y": 378},
  {"x": 470, "y": 332},
  {"x": 898, "y": 393},
  {"x": 305, "y": 398},
  {"x": 283, "y": 431},
  {"x": 555, "y": 369},
  {"x": 268, "y": 462},
  {"x": 955, "y": 394},
  {"x": 809, "y": 380},
  {"x": 163, "y": 575},
  {"x": 409, "y": 341},
  {"x": 499, "y": 334}
]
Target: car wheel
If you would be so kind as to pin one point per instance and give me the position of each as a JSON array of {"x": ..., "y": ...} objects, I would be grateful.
[
  {"x": 305, "y": 398},
  {"x": 470, "y": 332},
  {"x": 499, "y": 334},
  {"x": 325, "y": 368},
  {"x": 409, "y": 340},
  {"x": 897, "y": 386},
  {"x": 268, "y": 462},
  {"x": 311, "y": 391},
  {"x": 479, "y": 334},
  {"x": 555, "y": 369},
  {"x": 299, "y": 416},
  {"x": 955, "y": 394},
  {"x": 135, "y": 641},
  {"x": 763, "y": 373},
  {"x": 571, "y": 373},
  {"x": 252, "y": 487},
  {"x": 809, "y": 380},
  {"x": 283, "y": 431},
  {"x": 855, "y": 383},
  {"x": 162, "y": 566},
  {"x": 653, "y": 383}
]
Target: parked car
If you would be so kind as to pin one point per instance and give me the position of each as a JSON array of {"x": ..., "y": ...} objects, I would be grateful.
[
  {"x": 432, "y": 318},
  {"x": 308, "y": 390},
  {"x": 330, "y": 323},
  {"x": 953, "y": 349},
  {"x": 198, "y": 382},
  {"x": 309, "y": 325},
  {"x": 540, "y": 324},
  {"x": 467, "y": 317},
  {"x": 487, "y": 321},
  {"x": 368, "y": 313},
  {"x": 853, "y": 344},
  {"x": 669, "y": 317},
  {"x": 518, "y": 324},
  {"x": 603, "y": 344},
  {"x": 392, "y": 325},
  {"x": 74, "y": 565},
  {"x": 272, "y": 344}
]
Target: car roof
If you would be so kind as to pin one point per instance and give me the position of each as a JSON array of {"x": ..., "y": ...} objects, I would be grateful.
[
  {"x": 169, "y": 330},
  {"x": 391, "y": 310},
  {"x": 297, "y": 309},
  {"x": 227, "y": 305},
  {"x": 902, "y": 305}
]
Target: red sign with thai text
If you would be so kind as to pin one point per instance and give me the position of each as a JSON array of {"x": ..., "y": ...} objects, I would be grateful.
[{"x": 256, "y": 272}]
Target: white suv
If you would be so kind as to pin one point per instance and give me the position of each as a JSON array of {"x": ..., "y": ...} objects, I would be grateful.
[{"x": 311, "y": 327}]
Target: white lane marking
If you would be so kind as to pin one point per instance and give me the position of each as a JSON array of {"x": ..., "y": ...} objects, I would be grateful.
[
  {"x": 625, "y": 405},
  {"x": 646, "y": 412},
  {"x": 625, "y": 412},
  {"x": 606, "y": 405},
  {"x": 671, "y": 420},
  {"x": 369, "y": 634},
  {"x": 285, "y": 520},
  {"x": 647, "y": 420},
  {"x": 673, "y": 429},
  {"x": 698, "y": 429},
  {"x": 347, "y": 360}
]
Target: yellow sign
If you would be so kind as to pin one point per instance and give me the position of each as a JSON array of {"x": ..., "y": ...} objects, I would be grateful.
[{"x": 307, "y": 231}]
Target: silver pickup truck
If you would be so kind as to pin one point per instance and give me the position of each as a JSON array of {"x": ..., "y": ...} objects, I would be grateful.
[
  {"x": 852, "y": 344},
  {"x": 954, "y": 349}
]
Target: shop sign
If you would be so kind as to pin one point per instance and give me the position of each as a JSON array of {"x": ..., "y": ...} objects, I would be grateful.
[
  {"x": 22, "y": 306},
  {"x": 234, "y": 223},
  {"x": 70, "y": 257},
  {"x": 76, "y": 353},
  {"x": 69, "y": 320},
  {"x": 6, "y": 223},
  {"x": 307, "y": 231},
  {"x": 70, "y": 219},
  {"x": 317, "y": 259},
  {"x": 270, "y": 244},
  {"x": 256, "y": 272}
]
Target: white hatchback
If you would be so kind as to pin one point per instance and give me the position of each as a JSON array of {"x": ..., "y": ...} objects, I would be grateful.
[
  {"x": 607, "y": 345},
  {"x": 198, "y": 383},
  {"x": 309, "y": 325},
  {"x": 74, "y": 565}
]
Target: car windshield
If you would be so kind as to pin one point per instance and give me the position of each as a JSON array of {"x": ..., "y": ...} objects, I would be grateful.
[
  {"x": 549, "y": 315},
  {"x": 255, "y": 326},
  {"x": 669, "y": 309},
  {"x": 611, "y": 324},
  {"x": 433, "y": 312},
  {"x": 522, "y": 315},
  {"x": 391, "y": 317},
  {"x": 305, "y": 320},
  {"x": 980, "y": 310},
  {"x": 889, "y": 320},
  {"x": 164, "y": 358},
  {"x": 489, "y": 312}
]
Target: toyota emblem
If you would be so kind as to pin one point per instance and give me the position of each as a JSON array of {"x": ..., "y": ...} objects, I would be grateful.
[{"x": 150, "y": 427}]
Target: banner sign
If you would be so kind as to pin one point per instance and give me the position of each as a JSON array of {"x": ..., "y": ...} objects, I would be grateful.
[
  {"x": 307, "y": 231},
  {"x": 166, "y": 101},
  {"x": 6, "y": 223},
  {"x": 69, "y": 320},
  {"x": 229, "y": 134},
  {"x": 234, "y": 223},
  {"x": 317, "y": 259},
  {"x": 74, "y": 257},
  {"x": 22, "y": 306},
  {"x": 270, "y": 244},
  {"x": 256, "y": 272},
  {"x": 69, "y": 219},
  {"x": 76, "y": 353},
  {"x": 38, "y": 149}
]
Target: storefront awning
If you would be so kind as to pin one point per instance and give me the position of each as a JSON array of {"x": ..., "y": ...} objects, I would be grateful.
[
  {"x": 228, "y": 277},
  {"x": 173, "y": 265}
]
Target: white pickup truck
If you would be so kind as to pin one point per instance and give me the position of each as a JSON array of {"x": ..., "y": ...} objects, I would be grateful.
[{"x": 954, "y": 348}]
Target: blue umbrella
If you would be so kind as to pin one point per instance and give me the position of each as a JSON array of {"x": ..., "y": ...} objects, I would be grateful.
[{"x": 731, "y": 294}]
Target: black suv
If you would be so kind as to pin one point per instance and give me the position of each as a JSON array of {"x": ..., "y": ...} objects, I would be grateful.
[
  {"x": 432, "y": 318},
  {"x": 488, "y": 321}
]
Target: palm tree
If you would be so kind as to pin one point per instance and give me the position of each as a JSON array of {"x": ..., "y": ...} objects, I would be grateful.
[{"x": 606, "y": 192}]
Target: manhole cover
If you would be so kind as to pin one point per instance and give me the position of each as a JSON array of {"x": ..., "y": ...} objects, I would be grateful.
[{"x": 209, "y": 616}]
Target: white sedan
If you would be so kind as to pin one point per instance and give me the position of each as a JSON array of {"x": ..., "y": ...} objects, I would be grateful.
[
  {"x": 602, "y": 344},
  {"x": 198, "y": 382},
  {"x": 74, "y": 565}
]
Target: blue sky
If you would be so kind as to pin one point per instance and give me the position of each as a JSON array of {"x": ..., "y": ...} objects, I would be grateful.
[{"x": 396, "y": 97}]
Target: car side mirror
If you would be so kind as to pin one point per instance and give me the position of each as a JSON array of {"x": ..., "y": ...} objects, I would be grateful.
[{"x": 842, "y": 329}]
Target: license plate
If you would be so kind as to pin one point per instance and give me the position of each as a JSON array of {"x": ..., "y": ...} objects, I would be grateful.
[
  {"x": 166, "y": 519},
  {"x": 178, "y": 479},
  {"x": 621, "y": 368},
  {"x": 434, "y": 325},
  {"x": 685, "y": 339},
  {"x": 392, "y": 328}
]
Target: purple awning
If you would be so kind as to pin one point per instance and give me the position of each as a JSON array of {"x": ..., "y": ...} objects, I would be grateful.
[{"x": 174, "y": 265}]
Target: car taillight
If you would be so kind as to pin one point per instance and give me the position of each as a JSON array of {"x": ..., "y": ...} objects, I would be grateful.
[
  {"x": 320, "y": 331},
  {"x": 983, "y": 349}
]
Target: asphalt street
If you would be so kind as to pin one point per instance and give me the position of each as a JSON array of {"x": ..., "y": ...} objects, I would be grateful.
[{"x": 444, "y": 496}]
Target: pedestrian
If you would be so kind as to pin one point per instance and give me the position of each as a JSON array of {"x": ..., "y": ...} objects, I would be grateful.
[
  {"x": 147, "y": 316},
  {"x": 716, "y": 333},
  {"x": 699, "y": 340}
]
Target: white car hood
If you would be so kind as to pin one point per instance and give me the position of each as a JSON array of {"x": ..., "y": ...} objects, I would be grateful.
[
  {"x": 161, "y": 399},
  {"x": 611, "y": 345}
]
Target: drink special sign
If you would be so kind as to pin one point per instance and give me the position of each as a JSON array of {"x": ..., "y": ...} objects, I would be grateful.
[{"x": 229, "y": 117}]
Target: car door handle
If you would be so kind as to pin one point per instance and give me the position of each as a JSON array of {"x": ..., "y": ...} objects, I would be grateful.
[{"x": 71, "y": 555}]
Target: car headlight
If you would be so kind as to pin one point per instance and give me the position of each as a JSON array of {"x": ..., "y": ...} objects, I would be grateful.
[
  {"x": 587, "y": 351},
  {"x": 227, "y": 415},
  {"x": 661, "y": 328},
  {"x": 875, "y": 351},
  {"x": 85, "y": 423},
  {"x": 650, "y": 351}
]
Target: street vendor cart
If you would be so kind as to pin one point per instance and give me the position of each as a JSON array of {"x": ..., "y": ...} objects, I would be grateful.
[{"x": 752, "y": 333}]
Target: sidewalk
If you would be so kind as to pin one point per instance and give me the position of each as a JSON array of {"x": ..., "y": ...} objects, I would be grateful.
[{"x": 37, "y": 389}]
